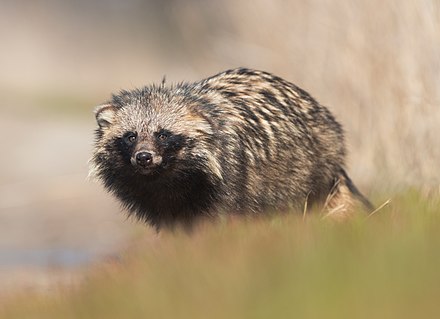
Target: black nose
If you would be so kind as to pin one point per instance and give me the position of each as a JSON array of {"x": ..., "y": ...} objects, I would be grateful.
[{"x": 144, "y": 159}]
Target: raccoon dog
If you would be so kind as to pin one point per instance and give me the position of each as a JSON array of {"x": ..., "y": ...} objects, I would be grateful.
[{"x": 242, "y": 141}]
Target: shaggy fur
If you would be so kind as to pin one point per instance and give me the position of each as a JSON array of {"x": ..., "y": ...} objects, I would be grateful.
[{"x": 242, "y": 141}]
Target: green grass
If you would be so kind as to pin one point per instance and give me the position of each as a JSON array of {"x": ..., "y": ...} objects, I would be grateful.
[{"x": 386, "y": 266}]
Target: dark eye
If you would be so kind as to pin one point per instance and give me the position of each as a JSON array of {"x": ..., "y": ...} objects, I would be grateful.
[
  {"x": 130, "y": 138},
  {"x": 162, "y": 136}
]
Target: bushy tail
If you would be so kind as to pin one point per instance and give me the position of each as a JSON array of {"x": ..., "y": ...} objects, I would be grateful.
[
  {"x": 356, "y": 193},
  {"x": 345, "y": 198}
]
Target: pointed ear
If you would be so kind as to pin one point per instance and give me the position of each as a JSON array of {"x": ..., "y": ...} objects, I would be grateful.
[{"x": 104, "y": 115}]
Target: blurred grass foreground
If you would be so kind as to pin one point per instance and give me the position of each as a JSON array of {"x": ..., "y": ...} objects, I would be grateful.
[
  {"x": 375, "y": 64},
  {"x": 385, "y": 266}
]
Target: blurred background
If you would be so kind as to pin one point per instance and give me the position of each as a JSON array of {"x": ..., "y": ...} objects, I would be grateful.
[{"x": 375, "y": 64}]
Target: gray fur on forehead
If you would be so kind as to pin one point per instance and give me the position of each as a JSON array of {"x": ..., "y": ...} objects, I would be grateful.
[
  {"x": 153, "y": 98},
  {"x": 147, "y": 95},
  {"x": 150, "y": 118},
  {"x": 149, "y": 111}
]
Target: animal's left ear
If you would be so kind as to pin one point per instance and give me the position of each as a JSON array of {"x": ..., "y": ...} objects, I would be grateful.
[{"x": 104, "y": 115}]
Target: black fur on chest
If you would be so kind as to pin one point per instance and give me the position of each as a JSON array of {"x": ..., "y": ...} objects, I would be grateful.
[{"x": 164, "y": 200}]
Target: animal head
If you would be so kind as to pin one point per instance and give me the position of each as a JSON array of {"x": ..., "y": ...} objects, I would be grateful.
[{"x": 152, "y": 132}]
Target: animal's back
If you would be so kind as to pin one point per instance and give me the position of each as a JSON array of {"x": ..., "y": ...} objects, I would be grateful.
[{"x": 280, "y": 146}]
